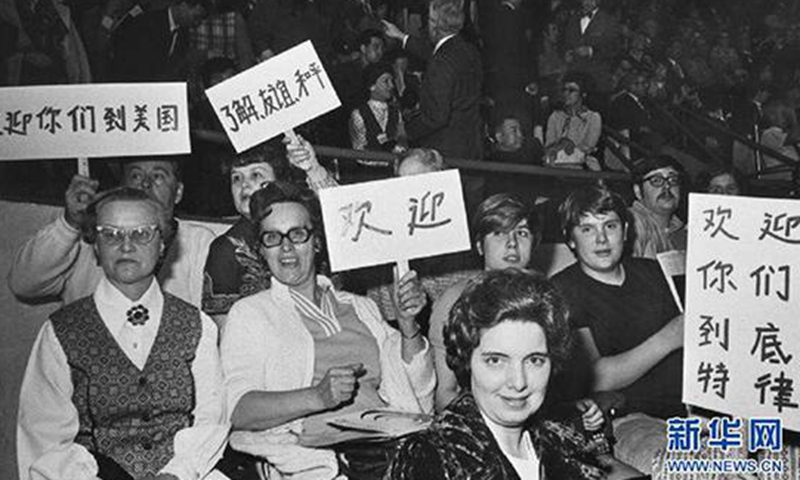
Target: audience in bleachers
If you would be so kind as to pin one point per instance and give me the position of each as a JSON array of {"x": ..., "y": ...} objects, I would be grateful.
[{"x": 495, "y": 75}]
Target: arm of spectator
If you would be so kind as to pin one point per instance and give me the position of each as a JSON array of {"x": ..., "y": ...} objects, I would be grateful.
[
  {"x": 409, "y": 300},
  {"x": 198, "y": 447},
  {"x": 618, "y": 371},
  {"x": 553, "y": 131},
  {"x": 594, "y": 128},
  {"x": 402, "y": 136},
  {"x": 435, "y": 103},
  {"x": 392, "y": 31},
  {"x": 48, "y": 420},
  {"x": 358, "y": 131},
  {"x": 43, "y": 263},
  {"x": 302, "y": 155},
  {"x": 255, "y": 399},
  {"x": 244, "y": 46}
]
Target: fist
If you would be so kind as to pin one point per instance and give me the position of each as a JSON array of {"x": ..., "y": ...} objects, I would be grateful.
[
  {"x": 339, "y": 385},
  {"x": 80, "y": 193},
  {"x": 300, "y": 153},
  {"x": 409, "y": 298}
]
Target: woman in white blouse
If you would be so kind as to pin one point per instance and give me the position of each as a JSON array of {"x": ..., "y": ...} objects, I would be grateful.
[
  {"x": 573, "y": 132},
  {"x": 301, "y": 352},
  {"x": 126, "y": 383}
]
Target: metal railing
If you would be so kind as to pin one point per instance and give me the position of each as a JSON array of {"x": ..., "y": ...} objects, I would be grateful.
[{"x": 349, "y": 155}]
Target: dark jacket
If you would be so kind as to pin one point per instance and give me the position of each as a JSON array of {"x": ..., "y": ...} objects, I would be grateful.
[
  {"x": 603, "y": 35},
  {"x": 142, "y": 49},
  {"x": 459, "y": 445},
  {"x": 448, "y": 118}
]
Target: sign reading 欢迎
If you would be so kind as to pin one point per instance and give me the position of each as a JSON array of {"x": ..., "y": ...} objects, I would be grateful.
[
  {"x": 272, "y": 97},
  {"x": 742, "y": 335},
  {"x": 95, "y": 120},
  {"x": 379, "y": 222}
]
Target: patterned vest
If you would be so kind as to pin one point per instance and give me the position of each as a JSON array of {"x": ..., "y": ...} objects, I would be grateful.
[
  {"x": 377, "y": 139},
  {"x": 127, "y": 414}
]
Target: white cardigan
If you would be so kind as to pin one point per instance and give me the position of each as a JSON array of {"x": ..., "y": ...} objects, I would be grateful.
[{"x": 266, "y": 347}]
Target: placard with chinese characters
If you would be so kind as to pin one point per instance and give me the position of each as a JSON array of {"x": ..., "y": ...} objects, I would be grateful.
[
  {"x": 97, "y": 120},
  {"x": 742, "y": 334},
  {"x": 274, "y": 96},
  {"x": 379, "y": 222}
]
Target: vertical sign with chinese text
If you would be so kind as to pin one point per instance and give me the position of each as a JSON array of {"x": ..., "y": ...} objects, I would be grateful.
[
  {"x": 742, "y": 330},
  {"x": 272, "y": 97},
  {"x": 379, "y": 222},
  {"x": 96, "y": 120}
]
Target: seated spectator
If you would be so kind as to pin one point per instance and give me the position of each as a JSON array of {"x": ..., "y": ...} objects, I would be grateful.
[
  {"x": 573, "y": 132},
  {"x": 505, "y": 233},
  {"x": 302, "y": 351},
  {"x": 153, "y": 46},
  {"x": 627, "y": 323},
  {"x": 108, "y": 398},
  {"x": 508, "y": 333},
  {"x": 349, "y": 77},
  {"x": 377, "y": 123},
  {"x": 657, "y": 189},
  {"x": 638, "y": 53},
  {"x": 57, "y": 261},
  {"x": 723, "y": 181},
  {"x": 234, "y": 269},
  {"x": 510, "y": 143},
  {"x": 420, "y": 160},
  {"x": 631, "y": 112},
  {"x": 780, "y": 122}
]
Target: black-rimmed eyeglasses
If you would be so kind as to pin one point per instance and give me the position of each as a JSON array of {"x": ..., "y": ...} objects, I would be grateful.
[
  {"x": 297, "y": 235},
  {"x": 659, "y": 181}
]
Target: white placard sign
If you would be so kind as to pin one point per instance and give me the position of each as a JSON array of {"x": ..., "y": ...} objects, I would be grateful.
[
  {"x": 95, "y": 120},
  {"x": 379, "y": 222},
  {"x": 742, "y": 330},
  {"x": 274, "y": 96}
]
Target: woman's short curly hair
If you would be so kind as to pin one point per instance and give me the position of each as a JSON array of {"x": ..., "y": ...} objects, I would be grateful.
[
  {"x": 499, "y": 296},
  {"x": 279, "y": 191},
  {"x": 166, "y": 225}
]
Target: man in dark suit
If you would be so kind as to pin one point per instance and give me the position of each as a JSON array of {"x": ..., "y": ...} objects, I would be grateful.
[
  {"x": 631, "y": 110},
  {"x": 592, "y": 41},
  {"x": 448, "y": 119},
  {"x": 152, "y": 46},
  {"x": 507, "y": 56}
]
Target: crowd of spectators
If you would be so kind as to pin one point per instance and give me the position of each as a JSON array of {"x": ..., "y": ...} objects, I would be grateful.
[
  {"x": 634, "y": 62},
  {"x": 533, "y": 82}
]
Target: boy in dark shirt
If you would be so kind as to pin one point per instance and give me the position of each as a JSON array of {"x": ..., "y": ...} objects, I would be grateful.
[{"x": 626, "y": 320}]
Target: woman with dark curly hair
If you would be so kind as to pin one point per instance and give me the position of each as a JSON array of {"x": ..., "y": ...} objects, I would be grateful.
[{"x": 506, "y": 336}]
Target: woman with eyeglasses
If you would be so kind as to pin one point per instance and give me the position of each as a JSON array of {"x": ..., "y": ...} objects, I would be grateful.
[
  {"x": 126, "y": 383},
  {"x": 573, "y": 131},
  {"x": 302, "y": 352},
  {"x": 233, "y": 267}
]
